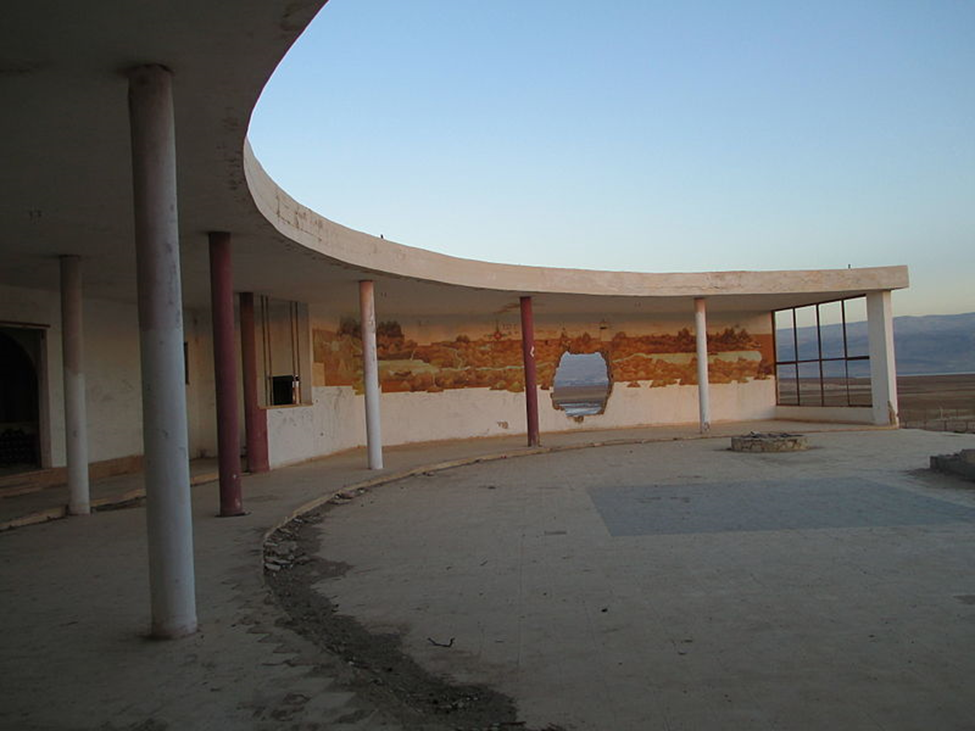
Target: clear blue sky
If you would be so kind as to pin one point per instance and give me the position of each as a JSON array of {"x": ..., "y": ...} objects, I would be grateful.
[{"x": 647, "y": 136}]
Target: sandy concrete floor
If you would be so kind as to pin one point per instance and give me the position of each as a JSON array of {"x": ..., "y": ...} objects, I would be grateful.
[
  {"x": 74, "y": 597},
  {"x": 683, "y": 586}
]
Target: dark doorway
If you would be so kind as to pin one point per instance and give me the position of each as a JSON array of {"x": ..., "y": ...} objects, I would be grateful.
[{"x": 19, "y": 399}]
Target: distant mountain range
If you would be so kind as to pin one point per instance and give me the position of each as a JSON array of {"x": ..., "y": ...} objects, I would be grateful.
[{"x": 924, "y": 345}]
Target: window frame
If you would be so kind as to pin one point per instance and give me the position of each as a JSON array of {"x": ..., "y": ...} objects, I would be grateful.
[{"x": 819, "y": 360}]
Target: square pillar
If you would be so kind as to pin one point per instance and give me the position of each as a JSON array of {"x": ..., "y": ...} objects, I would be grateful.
[{"x": 883, "y": 371}]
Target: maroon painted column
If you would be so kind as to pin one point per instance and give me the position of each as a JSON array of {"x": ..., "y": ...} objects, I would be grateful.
[
  {"x": 225, "y": 373},
  {"x": 531, "y": 374},
  {"x": 255, "y": 418}
]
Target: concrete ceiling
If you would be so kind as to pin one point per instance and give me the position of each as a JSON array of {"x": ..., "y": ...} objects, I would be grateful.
[{"x": 65, "y": 180}]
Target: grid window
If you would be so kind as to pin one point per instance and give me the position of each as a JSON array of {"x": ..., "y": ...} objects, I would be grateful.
[{"x": 821, "y": 354}]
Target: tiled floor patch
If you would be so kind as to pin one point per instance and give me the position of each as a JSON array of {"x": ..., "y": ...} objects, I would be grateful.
[{"x": 761, "y": 506}]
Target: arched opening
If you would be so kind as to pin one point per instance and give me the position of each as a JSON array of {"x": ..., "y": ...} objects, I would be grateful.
[
  {"x": 19, "y": 400},
  {"x": 581, "y": 385}
]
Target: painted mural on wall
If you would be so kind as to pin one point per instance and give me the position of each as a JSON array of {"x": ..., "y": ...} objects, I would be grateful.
[{"x": 494, "y": 361}]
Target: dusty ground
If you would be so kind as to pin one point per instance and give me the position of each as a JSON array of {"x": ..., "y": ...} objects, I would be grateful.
[
  {"x": 671, "y": 586},
  {"x": 74, "y": 599},
  {"x": 941, "y": 403},
  {"x": 927, "y": 395},
  {"x": 381, "y": 673}
]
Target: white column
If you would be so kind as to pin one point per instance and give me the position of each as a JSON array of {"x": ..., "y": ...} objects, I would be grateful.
[
  {"x": 701, "y": 336},
  {"x": 167, "y": 474},
  {"x": 75, "y": 414},
  {"x": 370, "y": 374},
  {"x": 883, "y": 372}
]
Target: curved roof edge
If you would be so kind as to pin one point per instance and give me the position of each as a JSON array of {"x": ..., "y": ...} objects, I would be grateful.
[{"x": 355, "y": 248}]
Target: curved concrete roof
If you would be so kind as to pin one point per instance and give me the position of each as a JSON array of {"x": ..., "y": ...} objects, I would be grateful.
[{"x": 65, "y": 186}]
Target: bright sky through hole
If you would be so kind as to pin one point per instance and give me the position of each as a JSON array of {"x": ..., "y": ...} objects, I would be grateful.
[
  {"x": 587, "y": 369},
  {"x": 641, "y": 135}
]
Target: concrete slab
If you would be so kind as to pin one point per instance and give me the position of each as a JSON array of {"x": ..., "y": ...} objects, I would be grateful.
[
  {"x": 681, "y": 585},
  {"x": 38, "y": 505},
  {"x": 726, "y": 507},
  {"x": 74, "y": 597}
]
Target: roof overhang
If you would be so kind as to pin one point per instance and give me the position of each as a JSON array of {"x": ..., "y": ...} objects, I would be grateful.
[{"x": 65, "y": 185}]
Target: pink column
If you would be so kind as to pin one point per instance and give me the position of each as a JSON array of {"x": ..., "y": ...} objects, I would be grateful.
[
  {"x": 225, "y": 373},
  {"x": 255, "y": 419},
  {"x": 531, "y": 375}
]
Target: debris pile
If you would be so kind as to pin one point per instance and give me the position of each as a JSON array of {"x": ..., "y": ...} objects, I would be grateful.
[
  {"x": 960, "y": 463},
  {"x": 340, "y": 498},
  {"x": 281, "y": 551},
  {"x": 769, "y": 442}
]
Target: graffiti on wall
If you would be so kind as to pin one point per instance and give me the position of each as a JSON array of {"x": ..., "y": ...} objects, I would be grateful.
[{"x": 495, "y": 361}]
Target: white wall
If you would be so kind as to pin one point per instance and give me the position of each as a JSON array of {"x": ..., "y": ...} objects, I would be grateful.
[
  {"x": 111, "y": 362},
  {"x": 335, "y": 419},
  {"x": 481, "y": 412},
  {"x": 201, "y": 399},
  {"x": 113, "y": 380},
  {"x": 646, "y": 406},
  {"x": 452, "y": 414},
  {"x": 292, "y": 436},
  {"x": 841, "y": 414},
  {"x": 333, "y": 423}
]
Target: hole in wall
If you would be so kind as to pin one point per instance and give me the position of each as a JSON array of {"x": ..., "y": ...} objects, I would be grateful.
[{"x": 581, "y": 384}]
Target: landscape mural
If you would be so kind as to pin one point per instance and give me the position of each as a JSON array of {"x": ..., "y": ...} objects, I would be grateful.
[{"x": 494, "y": 361}]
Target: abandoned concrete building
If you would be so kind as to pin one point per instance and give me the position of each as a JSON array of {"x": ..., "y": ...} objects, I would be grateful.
[{"x": 163, "y": 299}]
